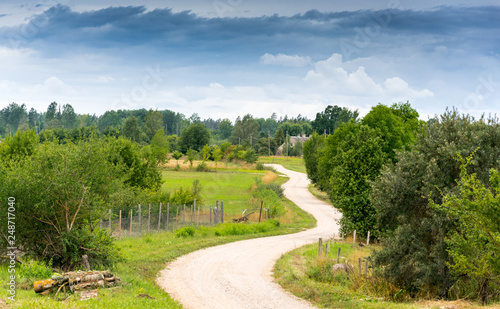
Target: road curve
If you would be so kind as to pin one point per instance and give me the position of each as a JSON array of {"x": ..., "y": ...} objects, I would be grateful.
[{"x": 239, "y": 274}]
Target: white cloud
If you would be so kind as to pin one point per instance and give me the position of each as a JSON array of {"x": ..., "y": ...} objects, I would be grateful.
[
  {"x": 285, "y": 60},
  {"x": 54, "y": 86}
]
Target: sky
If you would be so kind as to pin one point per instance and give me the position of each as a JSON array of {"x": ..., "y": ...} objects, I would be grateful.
[{"x": 227, "y": 58}]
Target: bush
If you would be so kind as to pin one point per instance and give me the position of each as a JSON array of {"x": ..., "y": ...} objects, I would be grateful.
[
  {"x": 260, "y": 166},
  {"x": 187, "y": 231},
  {"x": 35, "y": 270},
  {"x": 244, "y": 229}
]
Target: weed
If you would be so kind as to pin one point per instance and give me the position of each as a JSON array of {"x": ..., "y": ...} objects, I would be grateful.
[{"x": 187, "y": 231}]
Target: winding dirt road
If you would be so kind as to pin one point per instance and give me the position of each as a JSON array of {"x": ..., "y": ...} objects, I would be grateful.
[{"x": 239, "y": 274}]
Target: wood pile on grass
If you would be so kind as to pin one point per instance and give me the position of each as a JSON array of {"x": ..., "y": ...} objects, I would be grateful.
[{"x": 76, "y": 281}]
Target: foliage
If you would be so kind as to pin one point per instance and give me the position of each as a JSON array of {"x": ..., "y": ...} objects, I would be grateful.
[
  {"x": 177, "y": 155},
  {"x": 190, "y": 157},
  {"x": 19, "y": 146},
  {"x": 227, "y": 229},
  {"x": 153, "y": 122},
  {"x": 33, "y": 270},
  {"x": 217, "y": 154},
  {"x": 312, "y": 152},
  {"x": 249, "y": 156},
  {"x": 353, "y": 157},
  {"x": 131, "y": 129},
  {"x": 397, "y": 126},
  {"x": 64, "y": 192},
  {"x": 474, "y": 244},
  {"x": 206, "y": 153},
  {"x": 244, "y": 130},
  {"x": 159, "y": 147},
  {"x": 271, "y": 200},
  {"x": 187, "y": 231},
  {"x": 225, "y": 129},
  {"x": 414, "y": 256},
  {"x": 194, "y": 137},
  {"x": 330, "y": 119}
]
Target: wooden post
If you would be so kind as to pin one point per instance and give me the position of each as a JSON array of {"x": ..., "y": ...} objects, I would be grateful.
[
  {"x": 338, "y": 256},
  {"x": 210, "y": 215},
  {"x": 261, "y": 204},
  {"x": 359, "y": 265},
  {"x": 320, "y": 246},
  {"x": 149, "y": 218},
  {"x": 368, "y": 239},
  {"x": 354, "y": 237},
  {"x": 85, "y": 260},
  {"x": 131, "y": 216},
  {"x": 120, "y": 222},
  {"x": 327, "y": 249},
  {"x": 140, "y": 215},
  {"x": 221, "y": 212},
  {"x": 184, "y": 214},
  {"x": 366, "y": 267},
  {"x": 194, "y": 205},
  {"x": 109, "y": 218},
  {"x": 159, "y": 218},
  {"x": 168, "y": 214},
  {"x": 100, "y": 223},
  {"x": 177, "y": 216}
]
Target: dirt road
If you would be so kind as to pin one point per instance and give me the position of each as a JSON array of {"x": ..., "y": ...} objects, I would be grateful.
[{"x": 239, "y": 274}]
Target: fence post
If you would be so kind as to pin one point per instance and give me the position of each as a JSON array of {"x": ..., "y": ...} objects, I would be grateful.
[
  {"x": 168, "y": 214},
  {"x": 159, "y": 218},
  {"x": 109, "y": 220},
  {"x": 368, "y": 239},
  {"x": 184, "y": 214},
  {"x": 100, "y": 223},
  {"x": 120, "y": 222},
  {"x": 338, "y": 256},
  {"x": 194, "y": 205},
  {"x": 131, "y": 216},
  {"x": 327, "y": 249},
  {"x": 359, "y": 265},
  {"x": 149, "y": 218},
  {"x": 221, "y": 212},
  {"x": 140, "y": 220},
  {"x": 366, "y": 267},
  {"x": 210, "y": 215},
  {"x": 191, "y": 213},
  {"x": 354, "y": 237},
  {"x": 260, "y": 213},
  {"x": 320, "y": 246}
]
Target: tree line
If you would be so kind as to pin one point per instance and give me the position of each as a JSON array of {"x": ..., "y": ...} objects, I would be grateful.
[{"x": 427, "y": 190}]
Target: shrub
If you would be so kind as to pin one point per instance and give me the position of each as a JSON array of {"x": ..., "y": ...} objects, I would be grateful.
[
  {"x": 35, "y": 270},
  {"x": 185, "y": 232},
  {"x": 260, "y": 166}
]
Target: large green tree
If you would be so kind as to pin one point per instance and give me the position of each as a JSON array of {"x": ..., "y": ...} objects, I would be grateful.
[
  {"x": 414, "y": 256},
  {"x": 245, "y": 130},
  {"x": 194, "y": 137},
  {"x": 131, "y": 129},
  {"x": 331, "y": 118},
  {"x": 152, "y": 123}
]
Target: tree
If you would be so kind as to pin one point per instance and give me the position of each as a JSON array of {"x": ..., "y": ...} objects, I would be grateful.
[
  {"x": 131, "y": 129},
  {"x": 217, "y": 154},
  {"x": 205, "y": 153},
  {"x": 177, "y": 155},
  {"x": 64, "y": 192},
  {"x": 312, "y": 152},
  {"x": 68, "y": 117},
  {"x": 19, "y": 146},
  {"x": 245, "y": 129},
  {"x": 225, "y": 128},
  {"x": 152, "y": 123},
  {"x": 190, "y": 157},
  {"x": 331, "y": 119},
  {"x": 397, "y": 124},
  {"x": 194, "y": 137},
  {"x": 159, "y": 146},
  {"x": 415, "y": 254},
  {"x": 474, "y": 245},
  {"x": 14, "y": 116}
]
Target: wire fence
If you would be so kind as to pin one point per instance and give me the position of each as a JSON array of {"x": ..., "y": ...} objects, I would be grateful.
[{"x": 156, "y": 217}]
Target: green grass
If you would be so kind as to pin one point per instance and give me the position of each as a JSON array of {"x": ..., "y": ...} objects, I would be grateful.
[
  {"x": 145, "y": 256},
  {"x": 323, "y": 196},
  {"x": 231, "y": 187},
  {"x": 291, "y": 163}
]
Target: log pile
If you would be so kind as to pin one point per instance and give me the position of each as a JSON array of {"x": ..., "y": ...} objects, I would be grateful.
[{"x": 76, "y": 281}]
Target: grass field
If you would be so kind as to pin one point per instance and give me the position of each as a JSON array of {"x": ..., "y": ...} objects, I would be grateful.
[
  {"x": 145, "y": 256},
  {"x": 291, "y": 163},
  {"x": 229, "y": 186}
]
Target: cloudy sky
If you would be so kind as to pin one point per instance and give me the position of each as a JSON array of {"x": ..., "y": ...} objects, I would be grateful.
[{"x": 224, "y": 58}]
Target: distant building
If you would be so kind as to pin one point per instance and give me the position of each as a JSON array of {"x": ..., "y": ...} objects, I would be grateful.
[{"x": 293, "y": 140}]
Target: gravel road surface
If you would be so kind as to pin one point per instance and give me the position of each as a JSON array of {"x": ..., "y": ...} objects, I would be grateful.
[{"x": 239, "y": 274}]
